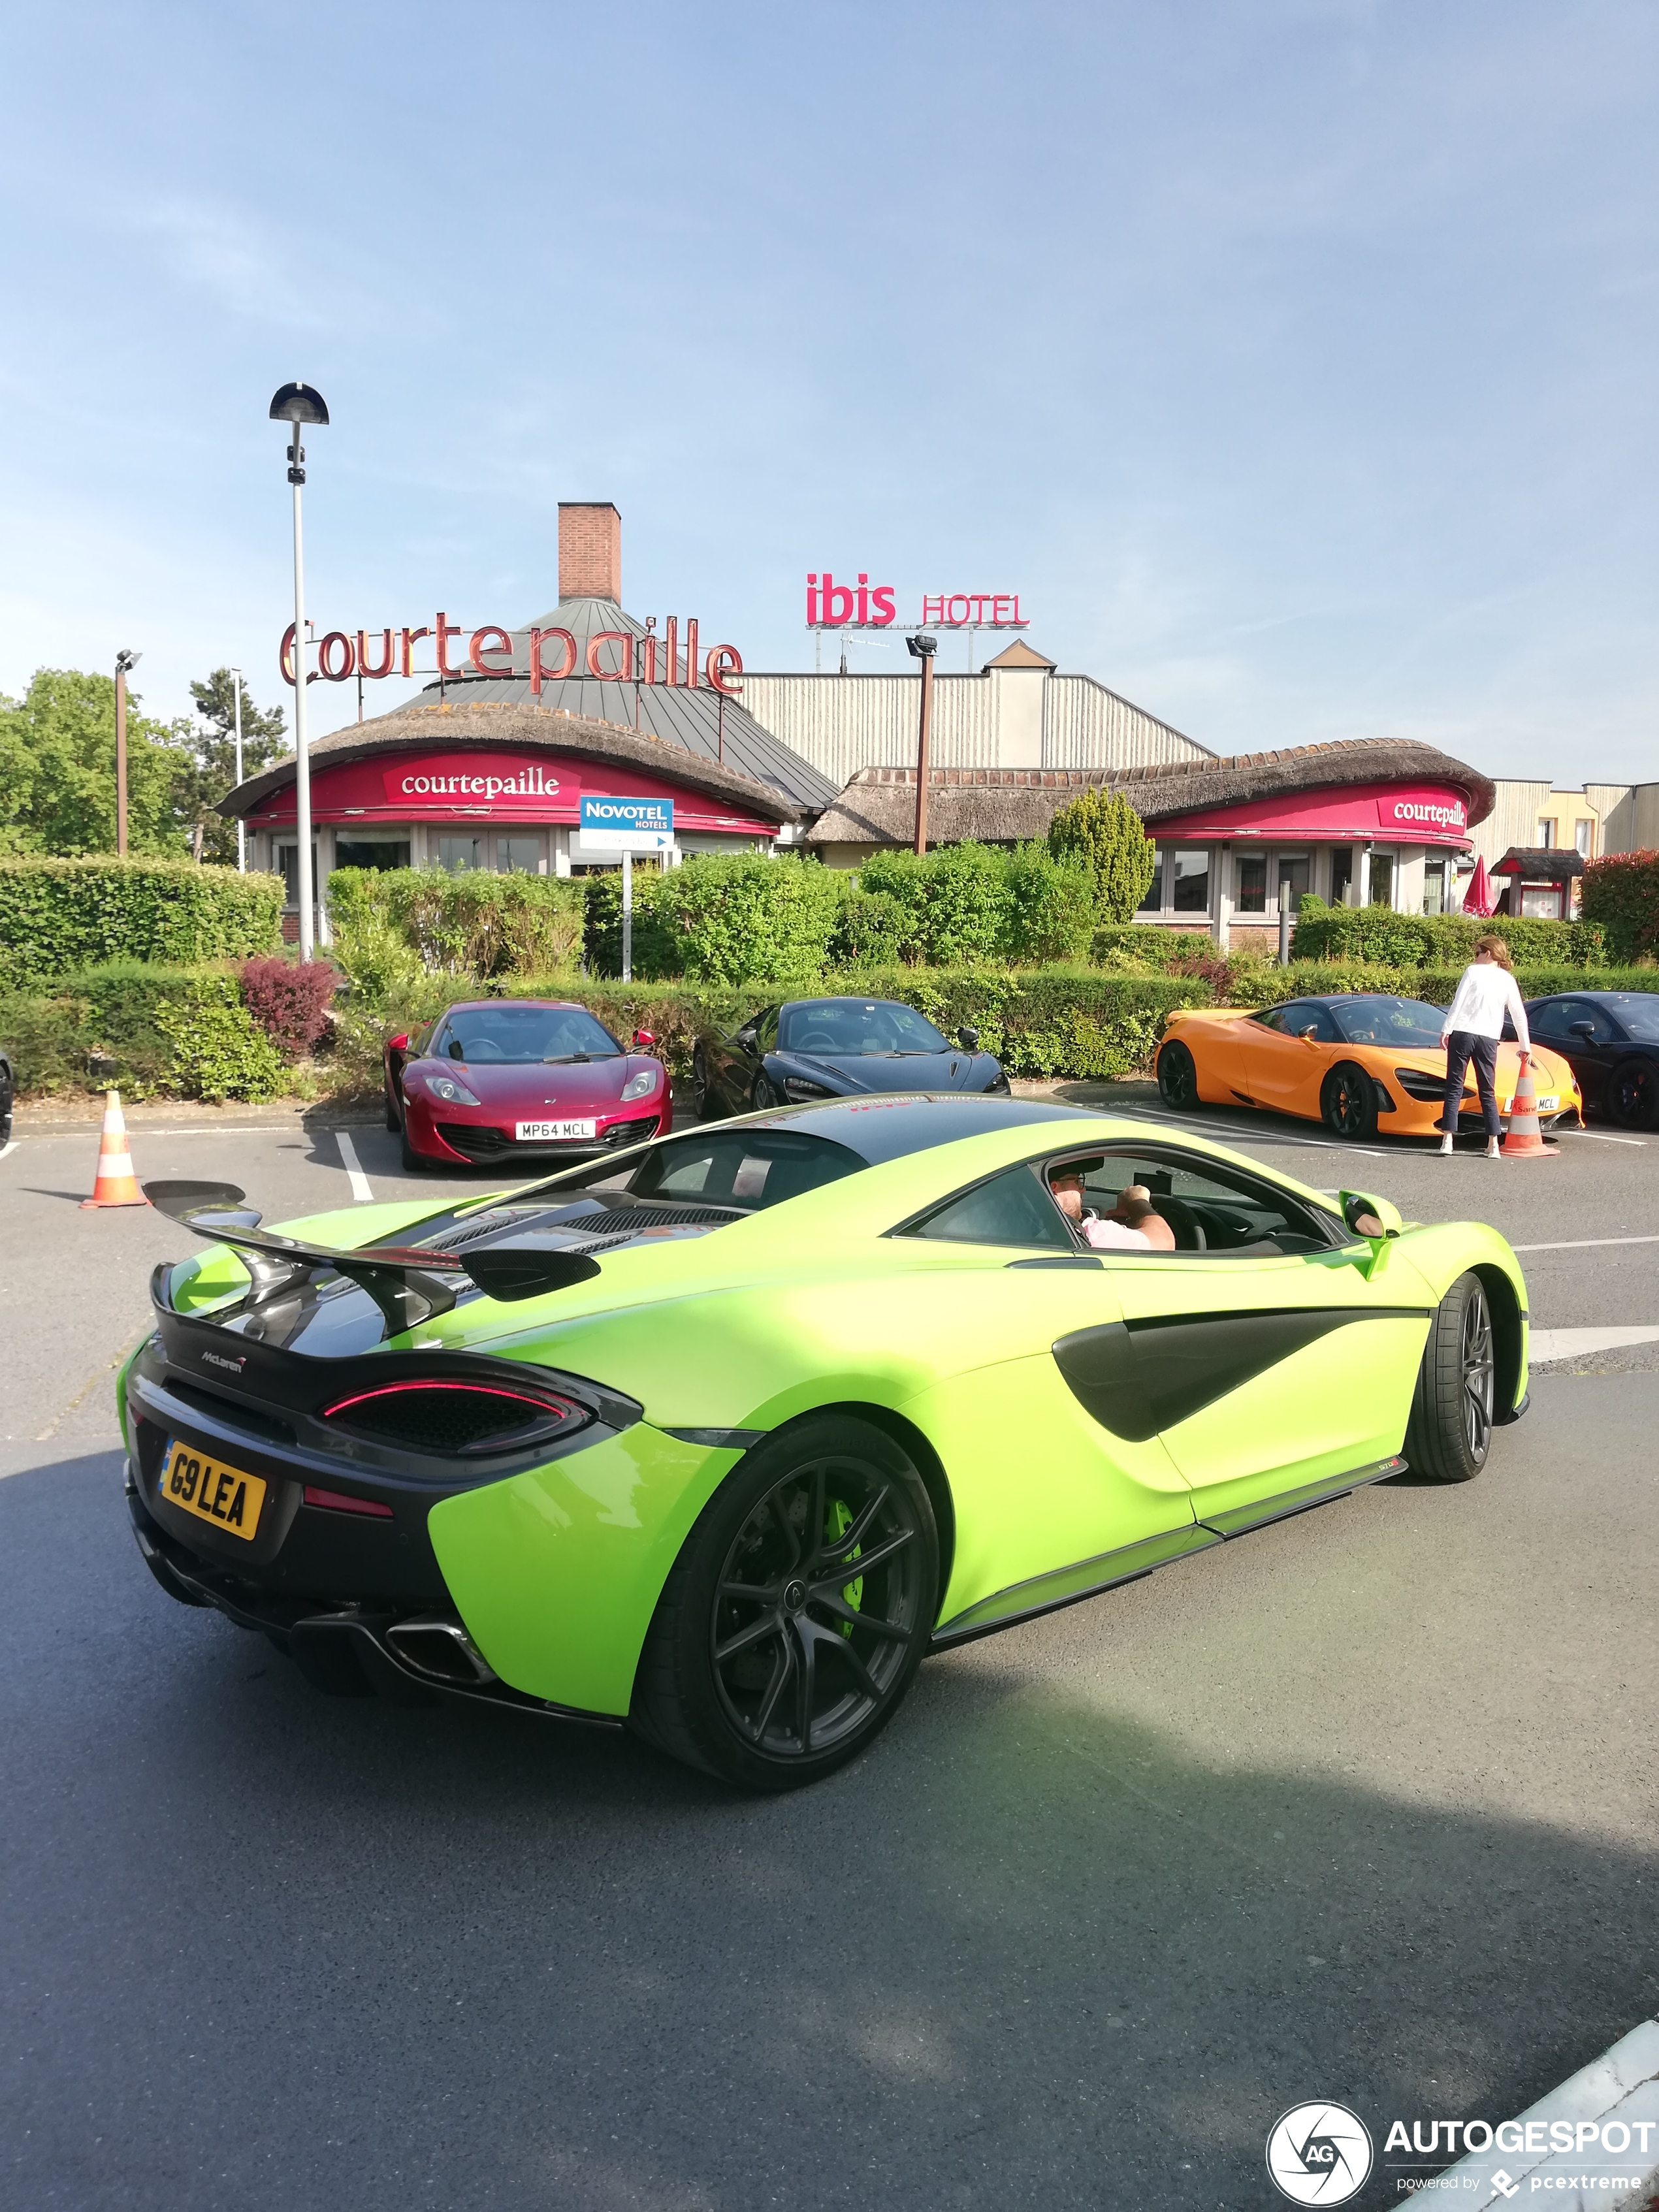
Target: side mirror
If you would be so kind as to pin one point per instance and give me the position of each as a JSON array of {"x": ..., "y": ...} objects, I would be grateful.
[
  {"x": 397, "y": 1043},
  {"x": 1584, "y": 1029},
  {"x": 968, "y": 1038},
  {"x": 457, "y": 1049},
  {"x": 644, "y": 1039},
  {"x": 1367, "y": 1216},
  {"x": 1310, "y": 1036}
]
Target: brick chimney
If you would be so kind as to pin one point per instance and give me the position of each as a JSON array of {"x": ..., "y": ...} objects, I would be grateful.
[{"x": 590, "y": 551}]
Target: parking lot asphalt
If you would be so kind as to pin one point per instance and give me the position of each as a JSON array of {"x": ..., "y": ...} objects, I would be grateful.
[{"x": 1362, "y": 1807}]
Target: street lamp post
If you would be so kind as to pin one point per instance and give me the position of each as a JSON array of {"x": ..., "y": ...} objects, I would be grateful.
[
  {"x": 922, "y": 648},
  {"x": 124, "y": 661},
  {"x": 300, "y": 404},
  {"x": 242, "y": 825}
]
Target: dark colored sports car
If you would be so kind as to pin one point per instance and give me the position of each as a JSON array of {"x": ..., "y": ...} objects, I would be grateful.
[
  {"x": 811, "y": 1048},
  {"x": 1611, "y": 1040},
  {"x": 506, "y": 1080}
]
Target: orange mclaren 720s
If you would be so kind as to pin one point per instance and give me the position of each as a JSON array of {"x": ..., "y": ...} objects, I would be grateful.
[{"x": 1359, "y": 1062}]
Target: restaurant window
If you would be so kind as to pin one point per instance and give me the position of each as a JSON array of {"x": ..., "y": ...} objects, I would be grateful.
[
  {"x": 1584, "y": 837},
  {"x": 1546, "y": 834},
  {"x": 457, "y": 854},
  {"x": 1434, "y": 886},
  {"x": 1381, "y": 879},
  {"x": 515, "y": 853},
  {"x": 1191, "y": 889},
  {"x": 1293, "y": 880},
  {"x": 1342, "y": 875},
  {"x": 288, "y": 861},
  {"x": 1253, "y": 883},
  {"x": 371, "y": 852},
  {"x": 1153, "y": 901}
]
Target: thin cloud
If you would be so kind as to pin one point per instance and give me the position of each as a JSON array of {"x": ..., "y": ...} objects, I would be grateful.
[{"x": 218, "y": 250}]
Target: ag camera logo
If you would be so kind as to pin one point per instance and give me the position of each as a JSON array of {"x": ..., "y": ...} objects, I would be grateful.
[{"x": 1319, "y": 2154}]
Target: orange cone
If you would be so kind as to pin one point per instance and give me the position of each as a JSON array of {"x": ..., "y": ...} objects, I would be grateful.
[
  {"x": 115, "y": 1185},
  {"x": 1525, "y": 1140}
]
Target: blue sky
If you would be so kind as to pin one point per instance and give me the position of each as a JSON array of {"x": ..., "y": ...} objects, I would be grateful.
[{"x": 1295, "y": 362}]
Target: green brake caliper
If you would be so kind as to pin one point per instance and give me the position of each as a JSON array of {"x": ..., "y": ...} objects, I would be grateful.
[{"x": 841, "y": 1520}]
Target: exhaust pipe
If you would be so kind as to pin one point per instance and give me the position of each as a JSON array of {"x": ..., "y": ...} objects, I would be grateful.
[{"x": 441, "y": 1650}]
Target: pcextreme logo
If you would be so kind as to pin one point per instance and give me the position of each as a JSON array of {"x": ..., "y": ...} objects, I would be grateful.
[{"x": 1319, "y": 2154}]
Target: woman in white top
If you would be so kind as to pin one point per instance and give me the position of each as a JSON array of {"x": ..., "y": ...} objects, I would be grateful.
[{"x": 1486, "y": 991}]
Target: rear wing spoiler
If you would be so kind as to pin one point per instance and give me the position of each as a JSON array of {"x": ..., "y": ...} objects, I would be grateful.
[{"x": 409, "y": 1283}]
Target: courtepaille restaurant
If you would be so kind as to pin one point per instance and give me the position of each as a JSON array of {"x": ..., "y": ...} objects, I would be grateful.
[
  {"x": 496, "y": 786},
  {"x": 1239, "y": 840}
]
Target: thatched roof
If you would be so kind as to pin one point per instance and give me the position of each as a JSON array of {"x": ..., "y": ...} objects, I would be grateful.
[
  {"x": 460, "y": 725},
  {"x": 998, "y": 806},
  {"x": 1540, "y": 864}
]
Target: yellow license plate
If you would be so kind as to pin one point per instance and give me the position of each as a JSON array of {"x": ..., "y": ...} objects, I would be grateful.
[{"x": 221, "y": 1495}]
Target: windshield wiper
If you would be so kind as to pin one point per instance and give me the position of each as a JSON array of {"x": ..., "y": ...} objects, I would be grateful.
[{"x": 570, "y": 1059}]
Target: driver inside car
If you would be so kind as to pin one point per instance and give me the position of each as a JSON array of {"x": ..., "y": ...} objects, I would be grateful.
[{"x": 1127, "y": 1228}]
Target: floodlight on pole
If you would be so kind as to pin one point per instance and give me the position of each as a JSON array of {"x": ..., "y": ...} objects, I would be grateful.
[
  {"x": 922, "y": 648},
  {"x": 124, "y": 661},
  {"x": 241, "y": 824},
  {"x": 300, "y": 404}
]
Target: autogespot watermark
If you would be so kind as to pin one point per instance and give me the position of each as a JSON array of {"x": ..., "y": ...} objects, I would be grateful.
[{"x": 1321, "y": 2154}]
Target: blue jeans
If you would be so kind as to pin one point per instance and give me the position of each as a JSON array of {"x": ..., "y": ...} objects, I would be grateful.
[{"x": 1462, "y": 1046}]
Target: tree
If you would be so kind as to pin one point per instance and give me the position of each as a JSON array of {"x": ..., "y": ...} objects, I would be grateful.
[
  {"x": 214, "y": 771},
  {"x": 1102, "y": 830},
  {"x": 58, "y": 770}
]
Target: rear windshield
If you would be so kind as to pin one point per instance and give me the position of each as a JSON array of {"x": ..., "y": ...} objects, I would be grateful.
[
  {"x": 1370, "y": 1018},
  {"x": 748, "y": 1168},
  {"x": 520, "y": 1035},
  {"x": 850, "y": 1026}
]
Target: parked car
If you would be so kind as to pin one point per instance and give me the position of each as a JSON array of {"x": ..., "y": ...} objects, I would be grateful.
[
  {"x": 530, "y": 1080},
  {"x": 1359, "y": 1061},
  {"x": 720, "y": 1438},
  {"x": 8, "y": 1094},
  {"x": 1610, "y": 1039},
  {"x": 808, "y": 1048}
]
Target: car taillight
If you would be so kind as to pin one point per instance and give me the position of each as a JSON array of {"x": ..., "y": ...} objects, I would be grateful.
[{"x": 469, "y": 1418}]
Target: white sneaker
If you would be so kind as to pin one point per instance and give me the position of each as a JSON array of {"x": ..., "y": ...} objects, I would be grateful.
[
  {"x": 1492, "y": 1151},
  {"x": 1445, "y": 1151}
]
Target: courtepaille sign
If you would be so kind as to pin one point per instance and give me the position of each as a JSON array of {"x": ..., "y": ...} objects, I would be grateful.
[{"x": 613, "y": 656}]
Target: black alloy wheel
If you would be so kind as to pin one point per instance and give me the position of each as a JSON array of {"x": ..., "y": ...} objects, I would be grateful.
[
  {"x": 1633, "y": 1094},
  {"x": 766, "y": 1095},
  {"x": 413, "y": 1163},
  {"x": 393, "y": 1120},
  {"x": 1449, "y": 1433},
  {"x": 797, "y": 1614},
  {"x": 1177, "y": 1078},
  {"x": 1347, "y": 1101},
  {"x": 705, "y": 1108}
]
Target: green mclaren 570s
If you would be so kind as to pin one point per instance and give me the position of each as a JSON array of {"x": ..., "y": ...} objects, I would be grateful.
[{"x": 718, "y": 1437}]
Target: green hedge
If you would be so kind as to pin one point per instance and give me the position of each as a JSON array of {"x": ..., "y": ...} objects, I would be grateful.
[
  {"x": 181, "y": 1031},
  {"x": 1438, "y": 940},
  {"x": 60, "y": 915},
  {"x": 476, "y": 924},
  {"x": 1621, "y": 895}
]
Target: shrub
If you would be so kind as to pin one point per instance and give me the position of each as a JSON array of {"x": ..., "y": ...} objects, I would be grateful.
[
  {"x": 1102, "y": 831},
  {"x": 1145, "y": 945},
  {"x": 60, "y": 915},
  {"x": 1438, "y": 940},
  {"x": 719, "y": 918},
  {"x": 377, "y": 960},
  {"x": 45, "y": 1041},
  {"x": 1050, "y": 909},
  {"x": 1621, "y": 896},
  {"x": 290, "y": 1001},
  {"x": 657, "y": 952},
  {"x": 955, "y": 901},
  {"x": 870, "y": 927},
  {"x": 475, "y": 924},
  {"x": 219, "y": 1052}
]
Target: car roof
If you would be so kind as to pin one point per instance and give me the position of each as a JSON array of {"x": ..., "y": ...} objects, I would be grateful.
[
  {"x": 887, "y": 1128},
  {"x": 479, "y": 1006},
  {"x": 848, "y": 999}
]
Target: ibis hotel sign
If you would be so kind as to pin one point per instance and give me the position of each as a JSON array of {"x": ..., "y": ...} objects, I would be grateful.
[
  {"x": 613, "y": 656},
  {"x": 835, "y": 605}
]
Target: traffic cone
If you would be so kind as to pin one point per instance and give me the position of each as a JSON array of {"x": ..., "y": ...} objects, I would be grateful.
[
  {"x": 1525, "y": 1140},
  {"x": 115, "y": 1185}
]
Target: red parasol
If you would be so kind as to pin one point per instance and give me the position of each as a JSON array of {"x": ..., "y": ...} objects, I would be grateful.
[{"x": 1479, "y": 898}]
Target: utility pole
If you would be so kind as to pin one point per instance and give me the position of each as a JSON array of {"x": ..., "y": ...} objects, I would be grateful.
[
  {"x": 922, "y": 648},
  {"x": 124, "y": 661}
]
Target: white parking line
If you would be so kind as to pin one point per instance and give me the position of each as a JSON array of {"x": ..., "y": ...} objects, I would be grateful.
[
  {"x": 360, "y": 1187},
  {"x": 1546, "y": 1344},
  {"x": 1601, "y": 1137},
  {"x": 1217, "y": 1132},
  {"x": 1584, "y": 1243},
  {"x": 7, "y": 1150}
]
